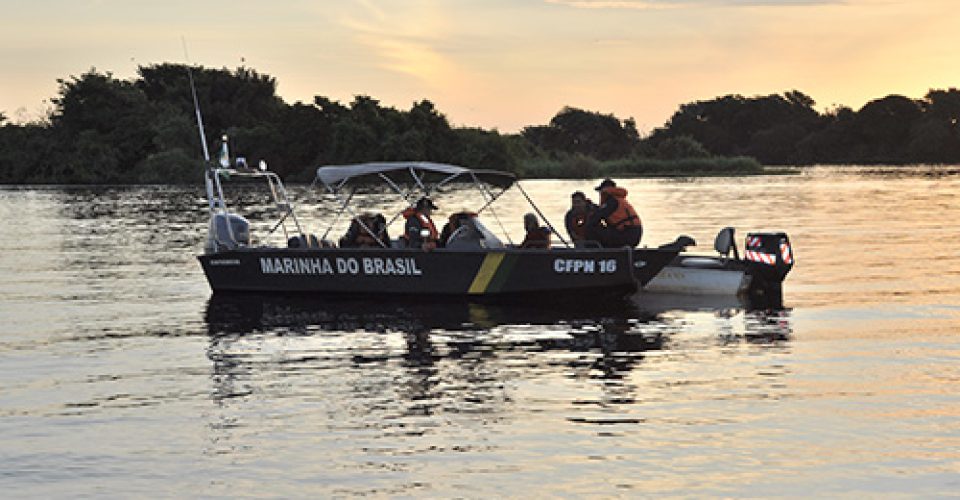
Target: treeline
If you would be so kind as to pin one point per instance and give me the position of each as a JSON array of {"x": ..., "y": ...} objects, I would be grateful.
[
  {"x": 105, "y": 130},
  {"x": 786, "y": 130}
]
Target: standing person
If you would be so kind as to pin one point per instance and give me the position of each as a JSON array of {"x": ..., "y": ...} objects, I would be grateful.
[
  {"x": 621, "y": 224},
  {"x": 576, "y": 219},
  {"x": 537, "y": 236},
  {"x": 419, "y": 230}
]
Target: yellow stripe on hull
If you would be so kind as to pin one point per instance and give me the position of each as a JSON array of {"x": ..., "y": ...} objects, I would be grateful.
[{"x": 486, "y": 273}]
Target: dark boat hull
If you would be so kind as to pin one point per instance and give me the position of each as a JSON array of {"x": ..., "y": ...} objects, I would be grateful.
[{"x": 502, "y": 272}]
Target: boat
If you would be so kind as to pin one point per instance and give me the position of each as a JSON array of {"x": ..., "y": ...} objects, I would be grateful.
[
  {"x": 757, "y": 277},
  {"x": 473, "y": 262}
]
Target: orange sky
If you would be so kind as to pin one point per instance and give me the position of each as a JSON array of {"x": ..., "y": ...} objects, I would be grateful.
[{"x": 499, "y": 63}]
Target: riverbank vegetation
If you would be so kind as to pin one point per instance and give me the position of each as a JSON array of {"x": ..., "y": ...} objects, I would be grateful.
[{"x": 101, "y": 129}]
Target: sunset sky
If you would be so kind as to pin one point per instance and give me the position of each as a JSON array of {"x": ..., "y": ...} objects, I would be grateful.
[{"x": 499, "y": 64}]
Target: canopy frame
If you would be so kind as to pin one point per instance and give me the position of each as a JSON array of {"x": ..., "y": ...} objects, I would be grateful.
[{"x": 336, "y": 178}]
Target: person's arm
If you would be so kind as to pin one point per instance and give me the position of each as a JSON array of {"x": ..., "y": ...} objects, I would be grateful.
[
  {"x": 568, "y": 222},
  {"x": 603, "y": 211}
]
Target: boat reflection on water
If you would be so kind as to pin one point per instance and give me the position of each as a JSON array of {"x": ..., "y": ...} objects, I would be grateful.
[
  {"x": 456, "y": 321},
  {"x": 452, "y": 328},
  {"x": 406, "y": 366}
]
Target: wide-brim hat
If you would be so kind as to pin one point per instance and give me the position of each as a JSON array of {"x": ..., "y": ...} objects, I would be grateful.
[
  {"x": 605, "y": 184},
  {"x": 426, "y": 203}
]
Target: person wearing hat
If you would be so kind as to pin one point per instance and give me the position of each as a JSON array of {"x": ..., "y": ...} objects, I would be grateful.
[
  {"x": 419, "y": 230},
  {"x": 615, "y": 223}
]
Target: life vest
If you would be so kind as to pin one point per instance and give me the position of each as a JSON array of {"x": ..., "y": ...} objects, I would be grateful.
[
  {"x": 624, "y": 216},
  {"x": 537, "y": 238},
  {"x": 425, "y": 223},
  {"x": 579, "y": 228}
]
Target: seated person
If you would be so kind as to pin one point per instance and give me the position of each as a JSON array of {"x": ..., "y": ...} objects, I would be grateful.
[
  {"x": 537, "y": 236},
  {"x": 615, "y": 223},
  {"x": 362, "y": 230},
  {"x": 454, "y": 222},
  {"x": 581, "y": 208},
  {"x": 419, "y": 230}
]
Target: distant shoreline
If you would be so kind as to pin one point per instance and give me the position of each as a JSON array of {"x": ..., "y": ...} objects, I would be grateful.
[{"x": 773, "y": 170}]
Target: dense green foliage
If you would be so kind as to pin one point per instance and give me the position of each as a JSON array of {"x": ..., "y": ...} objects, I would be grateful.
[
  {"x": 105, "y": 130},
  {"x": 785, "y": 129}
]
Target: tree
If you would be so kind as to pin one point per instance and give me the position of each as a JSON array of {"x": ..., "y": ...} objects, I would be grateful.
[
  {"x": 107, "y": 125},
  {"x": 675, "y": 148},
  {"x": 484, "y": 149},
  {"x": 936, "y": 136},
  {"x": 884, "y": 127},
  {"x": 239, "y": 99},
  {"x": 764, "y": 126},
  {"x": 574, "y": 130}
]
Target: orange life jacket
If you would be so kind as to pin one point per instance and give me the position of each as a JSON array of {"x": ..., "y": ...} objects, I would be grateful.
[
  {"x": 624, "y": 216},
  {"x": 425, "y": 222}
]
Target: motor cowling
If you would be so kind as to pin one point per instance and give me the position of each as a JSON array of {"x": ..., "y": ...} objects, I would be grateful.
[
  {"x": 770, "y": 258},
  {"x": 771, "y": 251},
  {"x": 227, "y": 232}
]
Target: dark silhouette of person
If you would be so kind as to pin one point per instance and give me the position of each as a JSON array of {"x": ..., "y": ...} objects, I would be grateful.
[
  {"x": 537, "y": 236},
  {"x": 364, "y": 231},
  {"x": 419, "y": 230},
  {"x": 615, "y": 223},
  {"x": 454, "y": 222},
  {"x": 576, "y": 218}
]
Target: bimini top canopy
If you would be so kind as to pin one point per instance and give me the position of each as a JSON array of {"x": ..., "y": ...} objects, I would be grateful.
[{"x": 405, "y": 172}]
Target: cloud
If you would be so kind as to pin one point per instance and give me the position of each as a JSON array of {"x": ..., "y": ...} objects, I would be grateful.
[{"x": 680, "y": 4}]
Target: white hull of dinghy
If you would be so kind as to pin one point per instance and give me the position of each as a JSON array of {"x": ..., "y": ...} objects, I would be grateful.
[{"x": 680, "y": 279}]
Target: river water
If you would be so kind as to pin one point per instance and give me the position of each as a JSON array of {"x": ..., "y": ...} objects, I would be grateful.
[{"x": 121, "y": 376}]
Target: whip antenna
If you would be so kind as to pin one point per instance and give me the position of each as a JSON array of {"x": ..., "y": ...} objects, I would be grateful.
[
  {"x": 196, "y": 102},
  {"x": 212, "y": 197}
]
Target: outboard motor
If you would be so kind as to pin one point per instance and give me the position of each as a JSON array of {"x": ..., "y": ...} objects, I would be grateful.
[
  {"x": 770, "y": 258},
  {"x": 227, "y": 232}
]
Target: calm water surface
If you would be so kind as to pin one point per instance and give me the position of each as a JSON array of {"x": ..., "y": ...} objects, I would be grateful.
[{"x": 120, "y": 374}]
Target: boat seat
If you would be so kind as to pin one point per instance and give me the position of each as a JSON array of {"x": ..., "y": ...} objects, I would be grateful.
[
  {"x": 471, "y": 236},
  {"x": 465, "y": 237},
  {"x": 725, "y": 243}
]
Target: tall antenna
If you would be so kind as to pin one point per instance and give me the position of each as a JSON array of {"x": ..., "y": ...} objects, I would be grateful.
[
  {"x": 196, "y": 102},
  {"x": 212, "y": 198}
]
